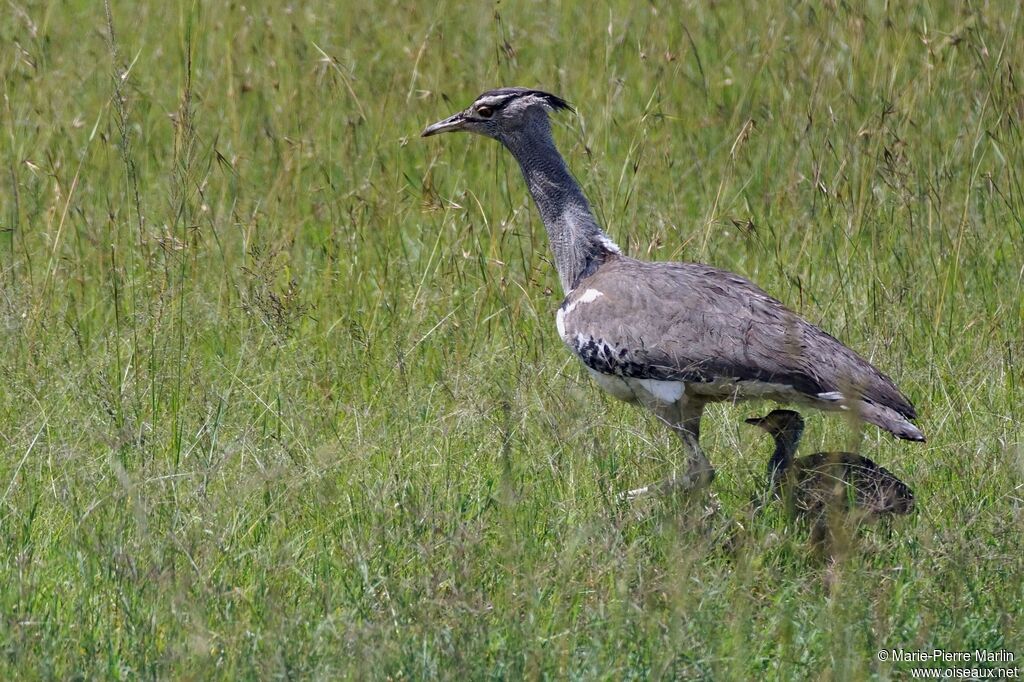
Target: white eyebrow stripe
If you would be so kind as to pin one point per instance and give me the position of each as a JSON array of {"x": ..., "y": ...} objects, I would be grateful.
[{"x": 493, "y": 101}]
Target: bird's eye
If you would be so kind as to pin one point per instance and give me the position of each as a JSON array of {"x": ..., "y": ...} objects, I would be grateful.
[{"x": 484, "y": 112}]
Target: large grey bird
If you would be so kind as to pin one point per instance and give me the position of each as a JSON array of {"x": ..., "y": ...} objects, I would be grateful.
[{"x": 672, "y": 336}]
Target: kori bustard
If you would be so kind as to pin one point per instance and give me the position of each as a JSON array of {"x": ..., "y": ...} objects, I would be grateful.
[{"x": 672, "y": 336}]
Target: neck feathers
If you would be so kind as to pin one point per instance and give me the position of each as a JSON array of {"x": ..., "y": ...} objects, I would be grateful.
[
  {"x": 577, "y": 242},
  {"x": 785, "y": 447}
]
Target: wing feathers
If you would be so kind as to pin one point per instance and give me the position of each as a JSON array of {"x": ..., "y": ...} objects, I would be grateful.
[{"x": 695, "y": 323}]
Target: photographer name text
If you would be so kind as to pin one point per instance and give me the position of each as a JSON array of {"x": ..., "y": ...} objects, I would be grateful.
[{"x": 944, "y": 656}]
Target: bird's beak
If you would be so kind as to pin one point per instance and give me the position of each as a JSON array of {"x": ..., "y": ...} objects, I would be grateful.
[
  {"x": 448, "y": 125},
  {"x": 756, "y": 421}
]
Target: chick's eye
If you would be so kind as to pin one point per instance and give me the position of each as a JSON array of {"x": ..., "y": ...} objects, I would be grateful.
[{"x": 485, "y": 112}]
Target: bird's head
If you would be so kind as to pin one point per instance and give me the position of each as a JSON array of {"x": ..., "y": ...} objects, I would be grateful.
[
  {"x": 498, "y": 113},
  {"x": 780, "y": 422}
]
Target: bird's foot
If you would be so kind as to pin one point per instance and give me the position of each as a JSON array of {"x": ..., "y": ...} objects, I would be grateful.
[
  {"x": 689, "y": 482},
  {"x": 635, "y": 493}
]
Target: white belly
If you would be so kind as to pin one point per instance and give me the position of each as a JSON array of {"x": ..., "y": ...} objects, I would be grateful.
[
  {"x": 646, "y": 391},
  {"x": 640, "y": 390},
  {"x": 735, "y": 390}
]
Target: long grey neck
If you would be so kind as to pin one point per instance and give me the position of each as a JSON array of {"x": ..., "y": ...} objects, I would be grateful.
[
  {"x": 786, "y": 443},
  {"x": 577, "y": 242}
]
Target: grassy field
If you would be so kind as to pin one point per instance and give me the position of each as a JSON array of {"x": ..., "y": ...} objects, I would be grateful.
[{"x": 281, "y": 393}]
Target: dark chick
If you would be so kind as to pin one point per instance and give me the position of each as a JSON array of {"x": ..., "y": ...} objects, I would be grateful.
[{"x": 818, "y": 486}]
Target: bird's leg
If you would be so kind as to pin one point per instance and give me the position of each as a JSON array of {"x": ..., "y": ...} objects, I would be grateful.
[
  {"x": 820, "y": 539},
  {"x": 683, "y": 418},
  {"x": 699, "y": 469}
]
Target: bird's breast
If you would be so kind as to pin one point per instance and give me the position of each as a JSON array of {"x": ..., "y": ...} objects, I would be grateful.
[{"x": 563, "y": 319}]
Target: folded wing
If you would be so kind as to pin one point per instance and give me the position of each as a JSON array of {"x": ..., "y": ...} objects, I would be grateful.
[{"x": 704, "y": 326}]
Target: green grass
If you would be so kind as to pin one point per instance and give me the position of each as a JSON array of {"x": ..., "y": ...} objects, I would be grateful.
[{"x": 280, "y": 389}]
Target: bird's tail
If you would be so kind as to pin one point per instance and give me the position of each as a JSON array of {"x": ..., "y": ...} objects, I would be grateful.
[{"x": 888, "y": 419}]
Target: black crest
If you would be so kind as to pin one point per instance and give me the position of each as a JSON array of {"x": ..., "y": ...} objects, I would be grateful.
[{"x": 554, "y": 101}]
